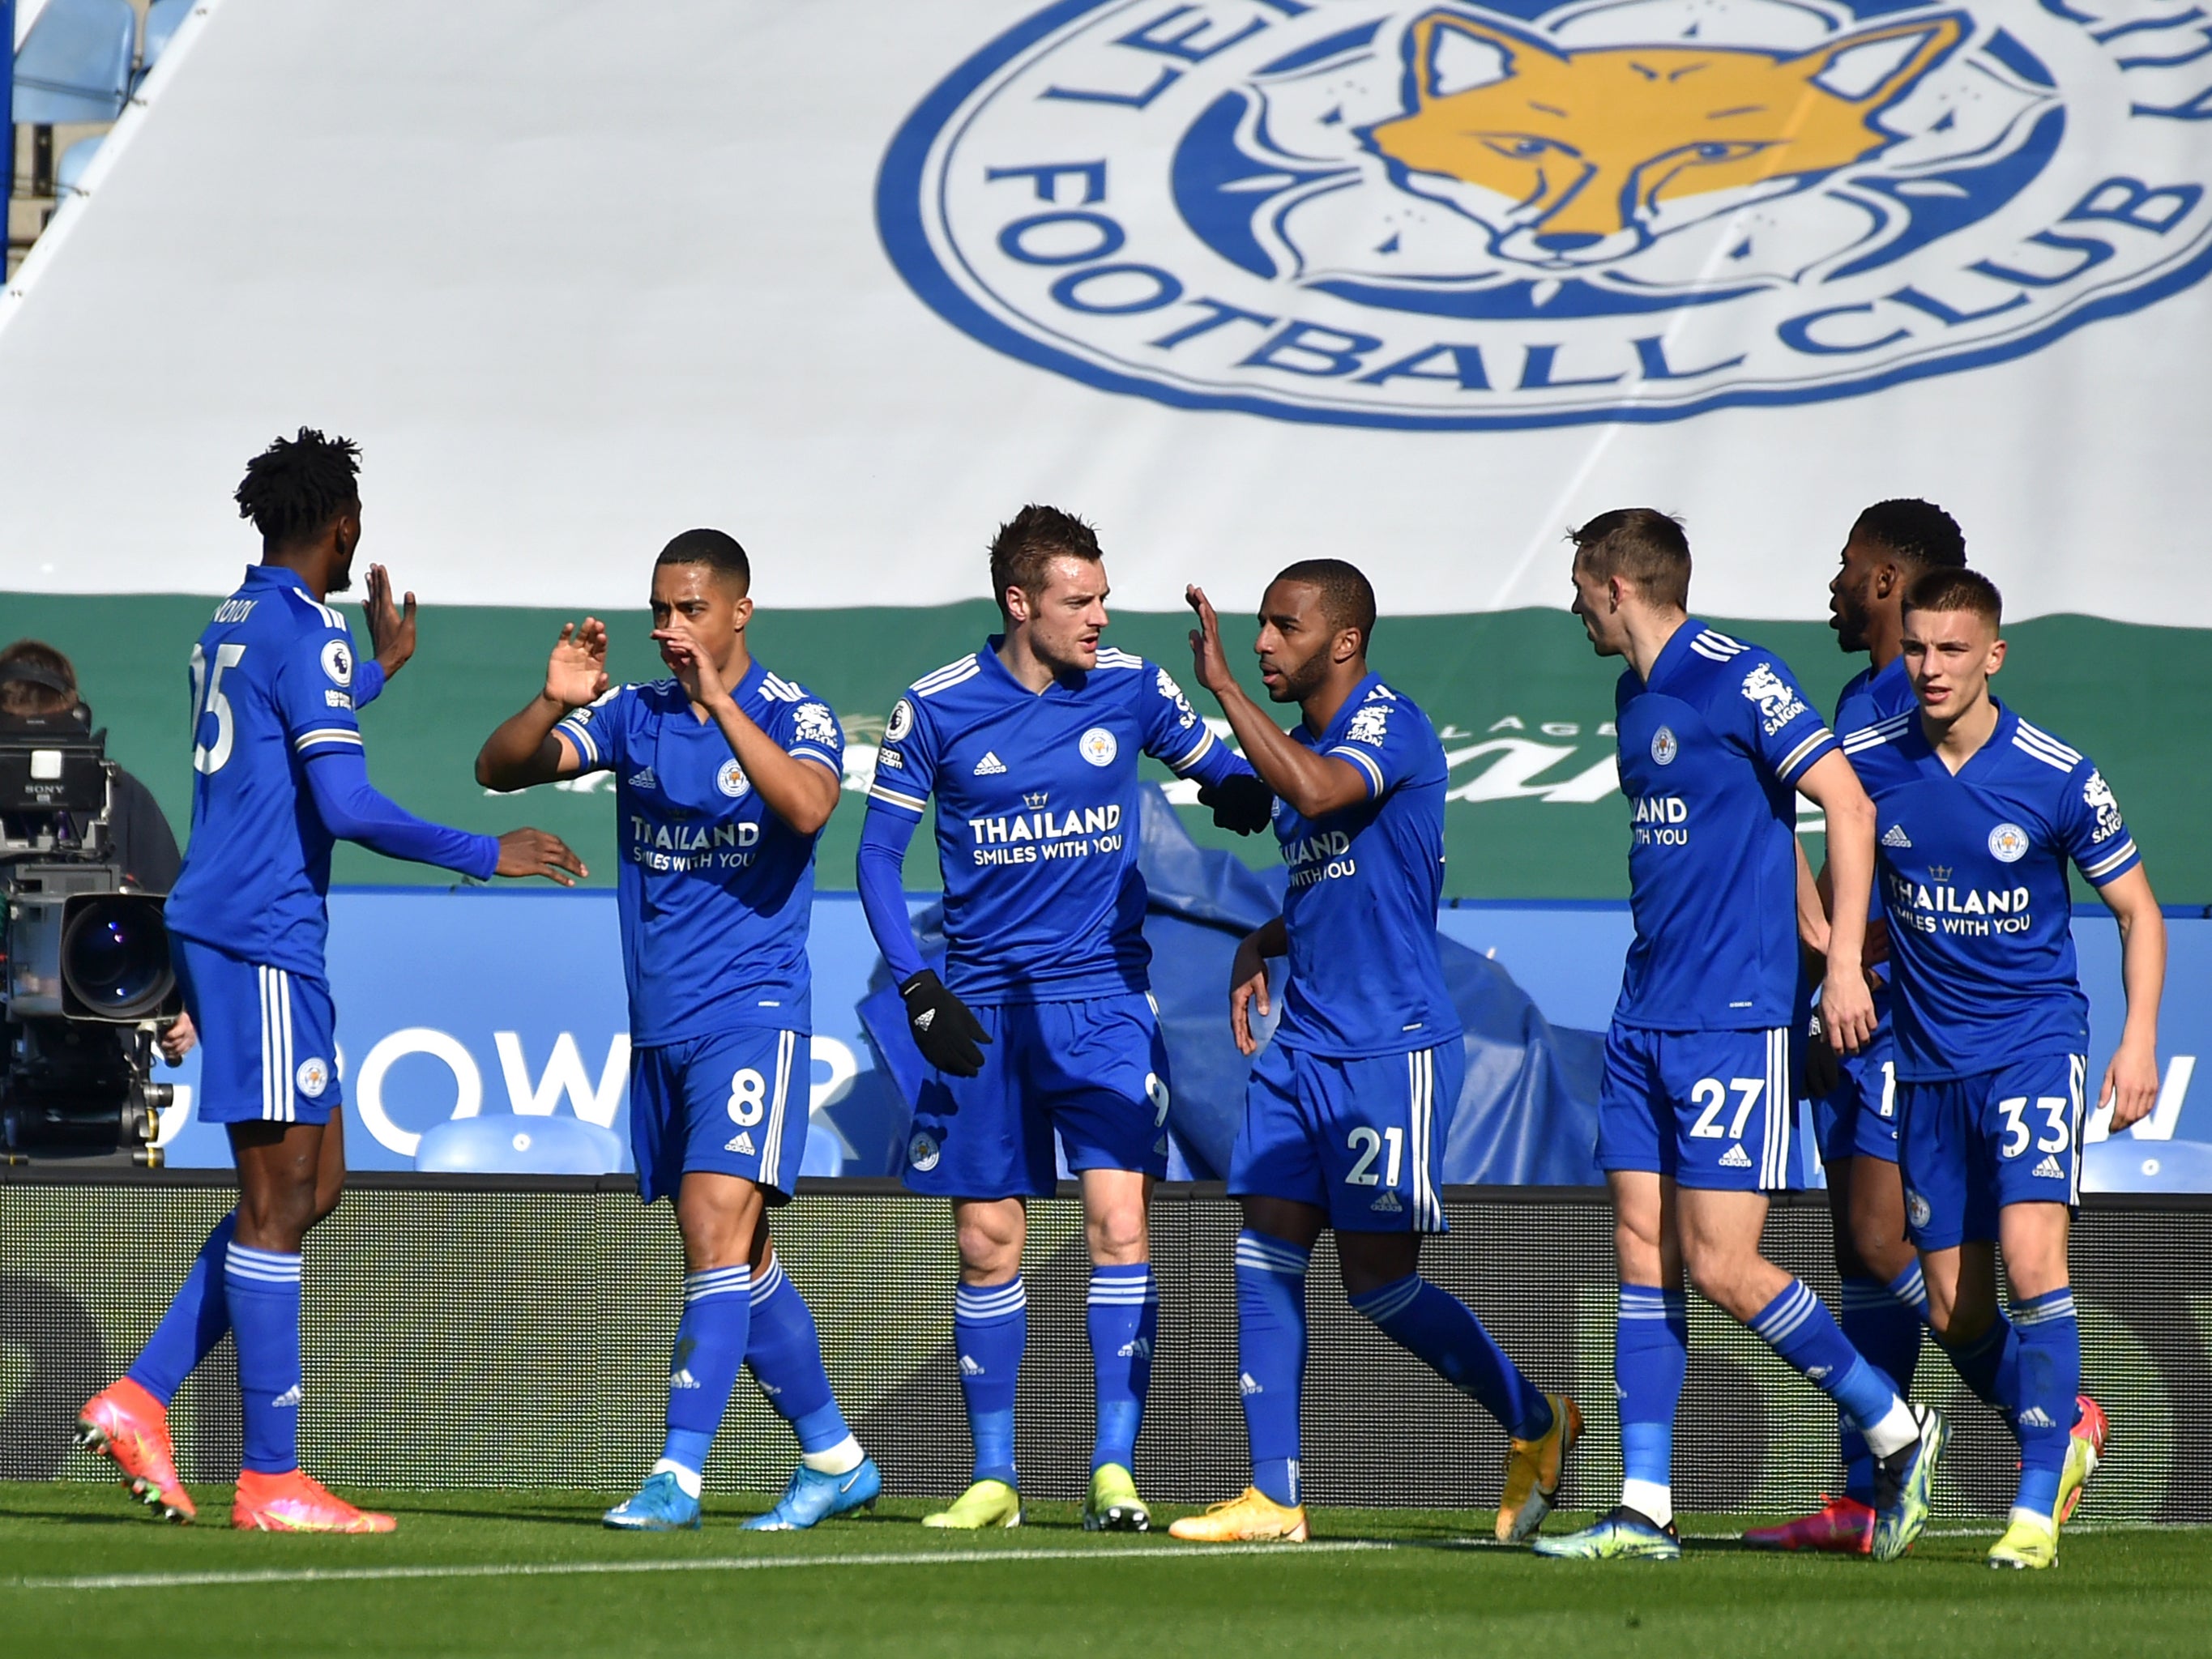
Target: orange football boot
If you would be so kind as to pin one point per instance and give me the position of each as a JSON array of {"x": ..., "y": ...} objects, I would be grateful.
[
  {"x": 1842, "y": 1526},
  {"x": 2093, "y": 1428},
  {"x": 128, "y": 1426},
  {"x": 294, "y": 1503}
]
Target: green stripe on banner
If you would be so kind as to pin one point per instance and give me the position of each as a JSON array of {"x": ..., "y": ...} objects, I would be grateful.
[{"x": 1520, "y": 700}]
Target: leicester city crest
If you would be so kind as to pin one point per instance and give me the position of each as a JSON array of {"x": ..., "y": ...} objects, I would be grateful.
[{"x": 1524, "y": 214}]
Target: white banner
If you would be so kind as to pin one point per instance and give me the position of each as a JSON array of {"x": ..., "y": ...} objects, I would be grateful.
[{"x": 1242, "y": 280}]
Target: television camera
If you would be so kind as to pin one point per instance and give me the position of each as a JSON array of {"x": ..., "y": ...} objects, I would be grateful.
[{"x": 85, "y": 979}]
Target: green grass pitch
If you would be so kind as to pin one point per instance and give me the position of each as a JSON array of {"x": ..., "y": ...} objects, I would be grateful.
[{"x": 83, "y": 1572}]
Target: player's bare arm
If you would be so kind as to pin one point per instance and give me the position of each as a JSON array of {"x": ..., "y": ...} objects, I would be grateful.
[
  {"x": 390, "y": 627},
  {"x": 526, "y": 750},
  {"x": 1313, "y": 785},
  {"x": 1812, "y": 908},
  {"x": 2130, "y": 1084},
  {"x": 1847, "y": 1016},
  {"x": 1248, "y": 980},
  {"x": 802, "y": 792}
]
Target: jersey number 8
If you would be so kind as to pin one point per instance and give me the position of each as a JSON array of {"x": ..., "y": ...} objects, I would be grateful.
[
  {"x": 748, "y": 1097},
  {"x": 208, "y": 699}
]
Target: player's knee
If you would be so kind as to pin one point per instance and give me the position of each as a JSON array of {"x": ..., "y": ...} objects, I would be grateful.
[
  {"x": 1718, "y": 1272},
  {"x": 327, "y": 1198},
  {"x": 1118, "y": 1237}
]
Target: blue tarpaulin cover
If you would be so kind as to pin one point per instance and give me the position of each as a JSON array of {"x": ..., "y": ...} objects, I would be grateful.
[{"x": 1526, "y": 1114}]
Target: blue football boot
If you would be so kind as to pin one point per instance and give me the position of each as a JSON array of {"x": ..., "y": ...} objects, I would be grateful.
[
  {"x": 660, "y": 1505},
  {"x": 813, "y": 1496},
  {"x": 1620, "y": 1534}
]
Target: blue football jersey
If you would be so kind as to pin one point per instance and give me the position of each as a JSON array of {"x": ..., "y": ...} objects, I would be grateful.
[
  {"x": 1867, "y": 698},
  {"x": 715, "y": 891},
  {"x": 272, "y": 684},
  {"x": 1036, "y": 816},
  {"x": 1974, "y": 877},
  {"x": 1710, "y": 750},
  {"x": 1361, "y": 906}
]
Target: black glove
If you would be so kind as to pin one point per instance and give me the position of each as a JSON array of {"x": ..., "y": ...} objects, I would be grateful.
[
  {"x": 1241, "y": 802},
  {"x": 944, "y": 1029}
]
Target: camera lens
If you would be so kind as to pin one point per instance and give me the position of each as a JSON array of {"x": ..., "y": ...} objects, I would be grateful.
[{"x": 115, "y": 956}]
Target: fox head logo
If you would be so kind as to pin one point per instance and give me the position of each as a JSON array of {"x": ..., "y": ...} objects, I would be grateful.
[{"x": 1579, "y": 156}]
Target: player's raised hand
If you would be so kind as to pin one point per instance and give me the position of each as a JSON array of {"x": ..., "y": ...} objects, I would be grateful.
[
  {"x": 688, "y": 660},
  {"x": 536, "y": 853},
  {"x": 1248, "y": 984},
  {"x": 1847, "y": 1013},
  {"x": 1209, "y": 664},
  {"x": 945, "y": 1028},
  {"x": 2130, "y": 1084},
  {"x": 576, "y": 673},
  {"x": 390, "y": 627}
]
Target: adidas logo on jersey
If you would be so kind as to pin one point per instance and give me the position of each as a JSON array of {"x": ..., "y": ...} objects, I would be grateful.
[
  {"x": 741, "y": 1142},
  {"x": 990, "y": 766},
  {"x": 1735, "y": 1158},
  {"x": 1387, "y": 1204},
  {"x": 289, "y": 1397},
  {"x": 1896, "y": 837},
  {"x": 643, "y": 779},
  {"x": 683, "y": 1379},
  {"x": 2035, "y": 1417},
  {"x": 2050, "y": 1169},
  {"x": 968, "y": 1367}
]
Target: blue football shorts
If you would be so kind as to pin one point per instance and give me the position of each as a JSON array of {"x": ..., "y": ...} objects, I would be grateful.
[
  {"x": 1095, "y": 1070},
  {"x": 1711, "y": 1110},
  {"x": 1973, "y": 1144},
  {"x": 1362, "y": 1139},
  {"x": 267, "y": 1037},
  {"x": 1859, "y": 1119},
  {"x": 733, "y": 1103}
]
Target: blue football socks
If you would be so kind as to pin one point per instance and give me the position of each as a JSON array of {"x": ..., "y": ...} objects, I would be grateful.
[
  {"x": 1797, "y": 1325},
  {"x": 1650, "y": 1358},
  {"x": 710, "y": 1345},
  {"x": 1438, "y": 1328},
  {"x": 2043, "y": 1384},
  {"x": 1123, "y": 1314},
  {"x": 263, "y": 1290},
  {"x": 1983, "y": 1363},
  {"x": 199, "y": 1316},
  {"x": 990, "y": 1328},
  {"x": 1271, "y": 1352},
  {"x": 1886, "y": 1332},
  {"x": 784, "y": 1349}
]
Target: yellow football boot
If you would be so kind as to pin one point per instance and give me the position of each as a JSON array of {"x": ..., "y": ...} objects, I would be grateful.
[
  {"x": 1532, "y": 1473},
  {"x": 2029, "y": 1543},
  {"x": 1253, "y": 1518},
  {"x": 985, "y": 1504}
]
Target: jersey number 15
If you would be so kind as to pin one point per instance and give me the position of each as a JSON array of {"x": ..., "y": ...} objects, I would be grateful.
[{"x": 208, "y": 699}]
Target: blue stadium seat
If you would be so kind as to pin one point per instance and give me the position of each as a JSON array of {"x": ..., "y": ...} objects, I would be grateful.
[
  {"x": 76, "y": 64},
  {"x": 2125, "y": 1164},
  {"x": 73, "y": 162},
  {"x": 505, "y": 1143},
  {"x": 163, "y": 18}
]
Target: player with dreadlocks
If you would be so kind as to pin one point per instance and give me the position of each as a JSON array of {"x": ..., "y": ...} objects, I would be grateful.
[{"x": 280, "y": 775}]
